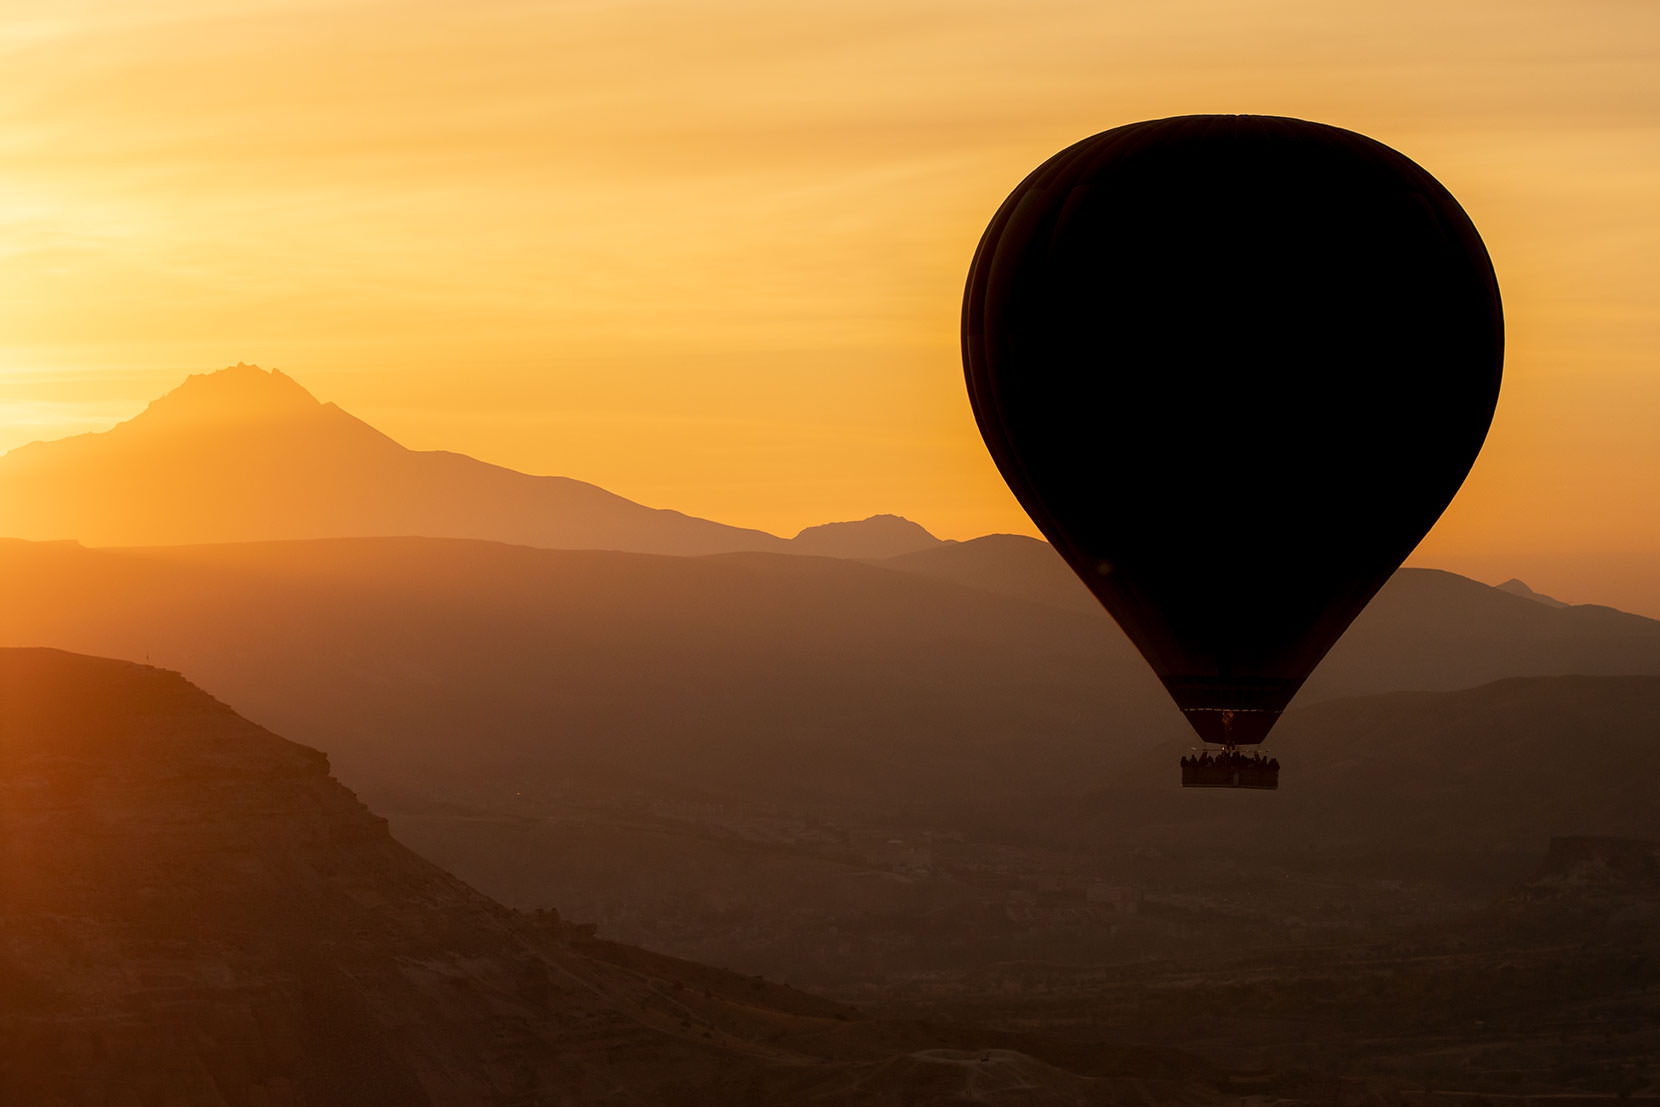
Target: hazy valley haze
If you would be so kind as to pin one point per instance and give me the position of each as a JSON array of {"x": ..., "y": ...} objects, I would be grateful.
[{"x": 604, "y": 664}]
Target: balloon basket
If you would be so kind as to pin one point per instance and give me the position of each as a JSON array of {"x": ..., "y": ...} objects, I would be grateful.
[{"x": 1230, "y": 772}]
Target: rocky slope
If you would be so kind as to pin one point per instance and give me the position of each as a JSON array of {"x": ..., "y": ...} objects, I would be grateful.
[{"x": 193, "y": 912}]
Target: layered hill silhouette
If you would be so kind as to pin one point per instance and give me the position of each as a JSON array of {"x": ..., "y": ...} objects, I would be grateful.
[
  {"x": 1004, "y": 564},
  {"x": 411, "y": 661},
  {"x": 605, "y": 730},
  {"x": 428, "y": 658},
  {"x": 880, "y": 536},
  {"x": 196, "y": 913},
  {"x": 246, "y": 454},
  {"x": 1427, "y": 629}
]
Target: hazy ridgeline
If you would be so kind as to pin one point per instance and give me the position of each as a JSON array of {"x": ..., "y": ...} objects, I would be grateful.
[
  {"x": 411, "y": 660},
  {"x": 930, "y": 778},
  {"x": 246, "y": 455},
  {"x": 715, "y": 755}
]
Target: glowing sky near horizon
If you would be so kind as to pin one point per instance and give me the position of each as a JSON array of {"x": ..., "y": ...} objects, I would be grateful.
[{"x": 710, "y": 256}]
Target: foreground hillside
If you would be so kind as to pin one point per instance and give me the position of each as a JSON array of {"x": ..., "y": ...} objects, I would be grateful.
[
  {"x": 193, "y": 912},
  {"x": 1548, "y": 993},
  {"x": 1394, "y": 812}
]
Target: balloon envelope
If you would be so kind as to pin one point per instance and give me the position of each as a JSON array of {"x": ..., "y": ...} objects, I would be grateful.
[{"x": 1234, "y": 367}]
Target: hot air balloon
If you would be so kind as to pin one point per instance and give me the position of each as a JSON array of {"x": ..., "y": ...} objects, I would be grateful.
[{"x": 1234, "y": 368}]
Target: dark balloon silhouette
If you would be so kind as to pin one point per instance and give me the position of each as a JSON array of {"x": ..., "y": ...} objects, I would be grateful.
[{"x": 1234, "y": 367}]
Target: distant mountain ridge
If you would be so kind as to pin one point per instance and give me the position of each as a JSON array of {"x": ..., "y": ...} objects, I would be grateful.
[
  {"x": 245, "y": 454},
  {"x": 879, "y": 536},
  {"x": 1427, "y": 629},
  {"x": 446, "y": 675},
  {"x": 408, "y": 656}
]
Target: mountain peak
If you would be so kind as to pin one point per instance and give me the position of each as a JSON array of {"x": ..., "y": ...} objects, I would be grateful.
[
  {"x": 247, "y": 455},
  {"x": 875, "y": 537},
  {"x": 236, "y": 393},
  {"x": 1516, "y": 588}
]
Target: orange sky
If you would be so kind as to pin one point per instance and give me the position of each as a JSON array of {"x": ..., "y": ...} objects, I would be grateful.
[{"x": 711, "y": 255}]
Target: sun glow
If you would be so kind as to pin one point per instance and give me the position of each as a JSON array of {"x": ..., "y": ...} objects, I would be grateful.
[{"x": 712, "y": 258}]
